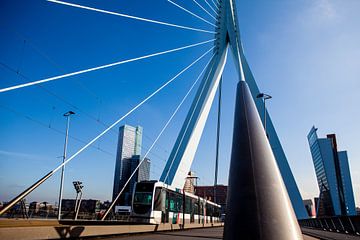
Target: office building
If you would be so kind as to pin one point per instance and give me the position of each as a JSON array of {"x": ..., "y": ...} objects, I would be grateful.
[
  {"x": 333, "y": 176},
  {"x": 207, "y": 192},
  {"x": 142, "y": 174},
  {"x": 129, "y": 144},
  {"x": 310, "y": 208}
]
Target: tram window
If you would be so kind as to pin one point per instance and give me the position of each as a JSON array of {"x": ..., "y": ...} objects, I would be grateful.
[
  {"x": 179, "y": 202},
  {"x": 172, "y": 203},
  {"x": 188, "y": 204},
  {"x": 195, "y": 206},
  {"x": 143, "y": 198},
  {"x": 157, "y": 199}
]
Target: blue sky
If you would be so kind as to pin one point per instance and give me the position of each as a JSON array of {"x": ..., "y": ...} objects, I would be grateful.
[{"x": 304, "y": 53}]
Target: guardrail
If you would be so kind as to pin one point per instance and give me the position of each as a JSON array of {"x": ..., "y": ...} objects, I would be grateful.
[{"x": 341, "y": 224}]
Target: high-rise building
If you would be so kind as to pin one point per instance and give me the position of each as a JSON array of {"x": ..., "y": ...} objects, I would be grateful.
[
  {"x": 333, "y": 176},
  {"x": 310, "y": 208},
  {"x": 129, "y": 144},
  {"x": 142, "y": 174}
]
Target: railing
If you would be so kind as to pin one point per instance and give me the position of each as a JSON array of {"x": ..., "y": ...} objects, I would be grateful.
[{"x": 342, "y": 224}]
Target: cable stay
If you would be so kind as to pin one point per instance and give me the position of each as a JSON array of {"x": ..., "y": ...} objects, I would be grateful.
[
  {"x": 215, "y": 4},
  {"x": 132, "y": 17},
  {"x": 43, "y": 54},
  {"x": 211, "y": 7},
  {"x": 48, "y": 175},
  {"x": 193, "y": 14},
  {"x": 155, "y": 141},
  {"x": 95, "y": 119},
  {"x": 205, "y": 10},
  {"x": 197, "y": 101},
  {"x": 101, "y": 67}
]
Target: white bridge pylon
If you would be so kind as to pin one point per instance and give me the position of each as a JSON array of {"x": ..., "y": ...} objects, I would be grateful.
[{"x": 183, "y": 152}]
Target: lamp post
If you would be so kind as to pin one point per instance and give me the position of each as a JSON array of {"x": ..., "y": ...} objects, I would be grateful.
[
  {"x": 265, "y": 97},
  {"x": 67, "y": 115}
]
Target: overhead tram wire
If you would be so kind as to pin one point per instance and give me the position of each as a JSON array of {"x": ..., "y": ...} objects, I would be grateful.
[
  {"x": 40, "y": 123},
  {"x": 211, "y": 7},
  {"x": 102, "y": 67},
  {"x": 71, "y": 104},
  {"x": 48, "y": 175},
  {"x": 75, "y": 107},
  {"x": 43, "y": 54},
  {"x": 204, "y": 10},
  {"x": 62, "y": 99},
  {"x": 132, "y": 17},
  {"x": 193, "y": 14},
  {"x": 155, "y": 141}
]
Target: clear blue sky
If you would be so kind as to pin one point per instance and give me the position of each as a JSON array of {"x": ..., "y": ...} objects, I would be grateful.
[{"x": 304, "y": 53}]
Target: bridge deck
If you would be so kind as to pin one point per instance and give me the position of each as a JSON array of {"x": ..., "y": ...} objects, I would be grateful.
[
  {"x": 35, "y": 229},
  {"x": 191, "y": 234}
]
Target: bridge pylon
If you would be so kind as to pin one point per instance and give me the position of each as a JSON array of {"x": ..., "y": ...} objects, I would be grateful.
[{"x": 183, "y": 152}]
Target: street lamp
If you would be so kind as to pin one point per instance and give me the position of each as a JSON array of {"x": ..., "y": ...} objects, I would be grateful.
[
  {"x": 78, "y": 188},
  {"x": 265, "y": 97},
  {"x": 67, "y": 115}
]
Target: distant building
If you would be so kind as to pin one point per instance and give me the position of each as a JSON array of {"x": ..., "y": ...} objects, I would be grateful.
[
  {"x": 310, "y": 207},
  {"x": 207, "y": 192},
  {"x": 129, "y": 144},
  {"x": 142, "y": 174},
  {"x": 333, "y": 176},
  {"x": 86, "y": 206},
  {"x": 190, "y": 183}
]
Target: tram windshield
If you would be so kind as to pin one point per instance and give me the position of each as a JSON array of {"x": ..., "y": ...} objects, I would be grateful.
[
  {"x": 143, "y": 195},
  {"x": 143, "y": 198}
]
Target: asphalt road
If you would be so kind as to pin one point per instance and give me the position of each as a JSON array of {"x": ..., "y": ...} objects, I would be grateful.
[{"x": 193, "y": 234}]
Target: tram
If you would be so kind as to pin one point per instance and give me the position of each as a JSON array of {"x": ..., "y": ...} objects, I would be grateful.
[{"x": 155, "y": 202}]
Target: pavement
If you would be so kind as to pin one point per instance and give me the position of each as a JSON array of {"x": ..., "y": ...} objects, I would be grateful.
[
  {"x": 321, "y": 234},
  {"x": 191, "y": 234}
]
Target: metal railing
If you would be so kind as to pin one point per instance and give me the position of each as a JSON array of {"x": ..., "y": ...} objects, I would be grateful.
[{"x": 341, "y": 224}]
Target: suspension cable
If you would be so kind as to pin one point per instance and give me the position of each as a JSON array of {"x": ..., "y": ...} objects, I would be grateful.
[
  {"x": 215, "y": 4},
  {"x": 101, "y": 67},
  {"x": 211, "y": 7},
  {"x": 155, "y": 141},
  {"x": 204, "y": 10},
  {"x": 129, "y": 16},
  {"x": 48, "y": 175},
  {"x": 70, "y": 104},
  {"x": 182, "y": 138},
  {"x": 197, "y": 16}
]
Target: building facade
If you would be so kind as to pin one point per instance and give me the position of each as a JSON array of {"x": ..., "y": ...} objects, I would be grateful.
[
  {"x": 333, "y": 176},
  {"x": 142, "y": 174},
  {"x": 208, "y": 192},
  {"x": 129, "y": 144},
  {"x": 190, "y": 183},
  {"x": 310, "y": 208}
]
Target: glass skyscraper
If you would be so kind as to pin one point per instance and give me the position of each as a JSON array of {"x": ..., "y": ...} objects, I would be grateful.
[
  {"x": 142, "y": 174},
  {"x": 333, "y": 176},
  {"x": 129, "y": 144}
]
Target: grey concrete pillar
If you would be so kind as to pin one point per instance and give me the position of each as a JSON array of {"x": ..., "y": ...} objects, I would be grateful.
[{"x": 258, "y": 205}]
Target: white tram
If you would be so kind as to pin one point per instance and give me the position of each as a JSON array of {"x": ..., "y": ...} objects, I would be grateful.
[{"x": 155, "y": 202}]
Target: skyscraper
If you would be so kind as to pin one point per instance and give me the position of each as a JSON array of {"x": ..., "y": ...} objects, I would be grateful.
[
  {"x": 128, "y": 167},
  {"x": 333, "y": 176},
  {"x": 129, "y": 144}
]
